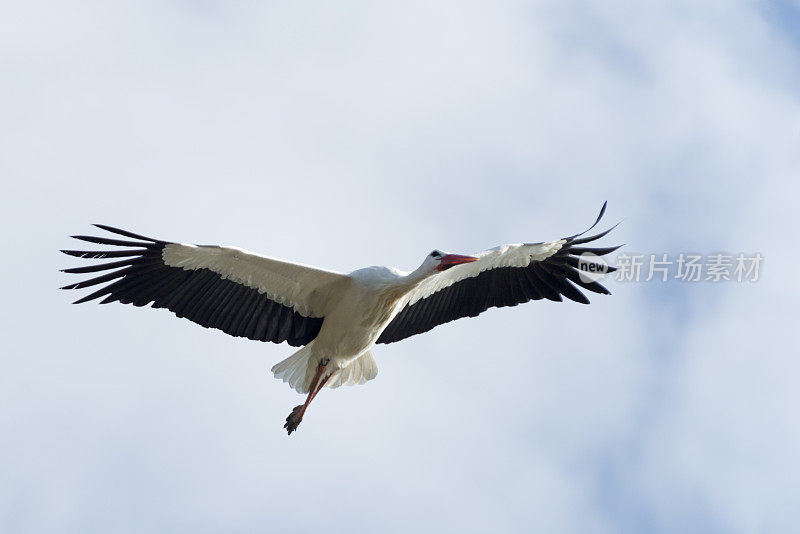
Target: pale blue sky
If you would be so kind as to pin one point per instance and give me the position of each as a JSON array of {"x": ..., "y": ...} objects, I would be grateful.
[{"x": 359, "y": 134}]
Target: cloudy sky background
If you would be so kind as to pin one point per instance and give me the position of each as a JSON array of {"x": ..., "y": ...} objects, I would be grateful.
[{"x": 356, "y": 134}]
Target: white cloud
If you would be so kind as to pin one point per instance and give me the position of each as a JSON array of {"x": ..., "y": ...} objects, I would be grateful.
[{"x": 660, "y": 408}]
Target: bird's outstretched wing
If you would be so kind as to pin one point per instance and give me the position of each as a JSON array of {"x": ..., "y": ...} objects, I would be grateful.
[
  {"x": 503, "y": 276},
  {"x": 241, "y": 293}
]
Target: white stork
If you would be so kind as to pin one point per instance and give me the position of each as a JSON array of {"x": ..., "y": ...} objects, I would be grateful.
[{"x": 336, "y": 318}]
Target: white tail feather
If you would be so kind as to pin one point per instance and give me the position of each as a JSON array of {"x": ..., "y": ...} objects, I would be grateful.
[
  {"x": 297, "y": 371},
  {"x": 361, "y": 370},
  {"x": 294, "y": 370}
]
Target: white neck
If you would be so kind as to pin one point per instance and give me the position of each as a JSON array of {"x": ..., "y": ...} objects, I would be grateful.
[{"x": 415, "y": 278}]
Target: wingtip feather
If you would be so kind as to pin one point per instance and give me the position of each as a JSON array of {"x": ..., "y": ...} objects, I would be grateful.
[
  {"x": 125, "y": 233},
  {"x": 599, "y": 216}
]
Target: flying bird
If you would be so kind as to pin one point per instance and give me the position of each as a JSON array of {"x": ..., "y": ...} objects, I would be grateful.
[{"x": 336, "y": 318}]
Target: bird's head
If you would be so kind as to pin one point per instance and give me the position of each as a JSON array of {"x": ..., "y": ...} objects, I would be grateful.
[{"x": 438, "y": 261}]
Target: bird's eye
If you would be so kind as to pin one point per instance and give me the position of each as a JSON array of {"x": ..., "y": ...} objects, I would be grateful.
[{"x": 436, "y": 253}]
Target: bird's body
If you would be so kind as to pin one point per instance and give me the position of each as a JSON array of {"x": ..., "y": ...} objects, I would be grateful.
[
  {"x": 361, "y": 313},
  {"x": 337, "y": 318},
  {"x": 363, "y": 307}
]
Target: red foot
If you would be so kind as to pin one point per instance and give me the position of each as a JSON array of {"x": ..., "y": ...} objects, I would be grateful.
[{"x": 295, "y": 418}]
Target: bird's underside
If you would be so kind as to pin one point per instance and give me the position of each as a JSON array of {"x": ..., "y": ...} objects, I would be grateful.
[{"x": 336, "y": 318}]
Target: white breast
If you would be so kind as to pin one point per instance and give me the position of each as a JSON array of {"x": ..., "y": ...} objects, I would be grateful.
[{"x": 366, "y": 306}]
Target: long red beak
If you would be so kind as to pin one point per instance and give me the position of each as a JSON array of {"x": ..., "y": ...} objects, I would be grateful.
[{"x": 451, "y": 260}]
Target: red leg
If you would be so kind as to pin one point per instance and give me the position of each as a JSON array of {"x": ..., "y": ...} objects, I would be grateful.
[
  {"x": 317, "y": 383},
  {"x": 319, "y": 388}
]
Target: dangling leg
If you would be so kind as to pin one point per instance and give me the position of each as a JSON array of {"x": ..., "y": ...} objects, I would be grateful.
[{"x": 317, "y": 383}]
